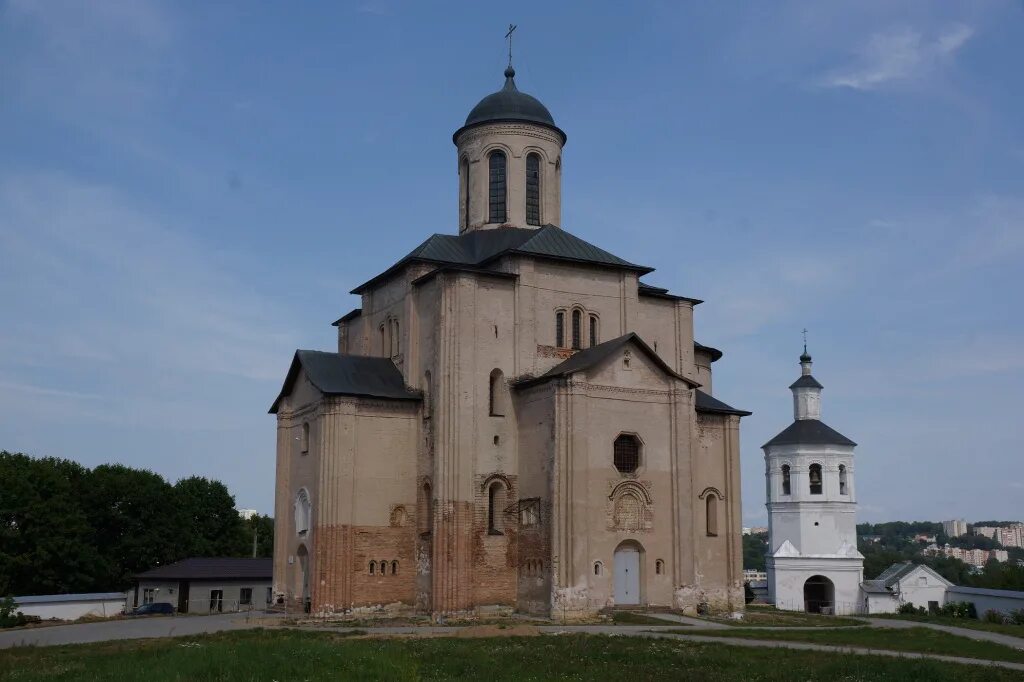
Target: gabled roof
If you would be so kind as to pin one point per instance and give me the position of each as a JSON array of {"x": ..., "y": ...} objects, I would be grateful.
[
  {"x": 898, "y": 572},
  {"x": 337, "y": 374},
  {"x": 212, "y": 568},
  {"x": 874, "y": 587},
  {"x": 481, "y": 247},
  {"x": 809, "y": 432},
  {"x": 594, "y": 355},
  {"x": 706, "y": 403},
  {"x": 806, "y": 381}
]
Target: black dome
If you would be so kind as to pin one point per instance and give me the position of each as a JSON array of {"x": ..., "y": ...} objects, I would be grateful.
[{"x": 509, "y": 104}]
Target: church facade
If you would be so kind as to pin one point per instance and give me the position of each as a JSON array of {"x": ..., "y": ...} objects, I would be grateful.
[{"x": 513, "y": 419}]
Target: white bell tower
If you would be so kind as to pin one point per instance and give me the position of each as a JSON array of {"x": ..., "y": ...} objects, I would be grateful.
[{"x": 813, "y": 563}]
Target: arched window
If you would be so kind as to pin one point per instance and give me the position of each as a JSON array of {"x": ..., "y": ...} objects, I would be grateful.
[
  {"x": 305, "y": 437},
  {"x": 598, "y": 568},
  {"x": 785, "y": 479},
  {"x": 593, "y": 331},
  {"x": 495, "y": 498},
  {"x": 383, "y": 567},
  {"x": 560, "y": 329},
  {"x": 533, "y": 189},
  {"x": 428, "y": 396},
  {"x": 302, "y": 512},
  {"x": 626, "y": 453},
  {"x": 577, "y": 323},
  {"x": 396, "y": 345},
  {"x": 659, "y": 567},
  {"x": 464, "y": 172},
  {"x": 384, "y": 342},
  {"x": 815, "y": 479},
  {"x": 373, "y": 567},
  {"x": 497, "y": 393},
  {"x": 842, "y": 479},
  {"x": 712, "y": 514},
  {"x": 394, "y": 568},
  {"x": 497, "y": 189}
]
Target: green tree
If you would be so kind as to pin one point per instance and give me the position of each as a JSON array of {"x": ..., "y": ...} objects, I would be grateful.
[
  {"x": 213, "y": 526},
  {"x": 44, "y": 532},
  {"x": 137, "y": 521},
  {"x": 754, "y": 549},
  {"x": 262, "y": 528}
]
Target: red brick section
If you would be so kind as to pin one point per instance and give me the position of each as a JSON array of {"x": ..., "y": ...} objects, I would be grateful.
[
  {"x": 342, "y": 577},
  {"x": 452, "y": 568}
]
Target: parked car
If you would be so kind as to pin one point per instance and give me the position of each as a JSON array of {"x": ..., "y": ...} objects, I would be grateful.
[{"x": 156, "y": 608}]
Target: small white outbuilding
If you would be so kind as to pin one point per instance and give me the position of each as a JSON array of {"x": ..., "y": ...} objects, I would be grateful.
[{"x": 72, "y": 606}]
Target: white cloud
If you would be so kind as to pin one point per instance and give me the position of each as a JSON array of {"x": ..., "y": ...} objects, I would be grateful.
[{"x": 899, "y": 54}]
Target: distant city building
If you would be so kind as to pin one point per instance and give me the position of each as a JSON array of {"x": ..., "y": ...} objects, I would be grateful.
[
  {"x": 922, "y": 537},
  {"x": 751, "y": 575},
  {"x": 1007, "y": 536},
  {"x": 974, "y": 557},
  {"x": 759, "y": 530},
  {"x": 871, "y": 538},
  {"x": 246, "y": 514},
  {"x": 954, "y": 528}
]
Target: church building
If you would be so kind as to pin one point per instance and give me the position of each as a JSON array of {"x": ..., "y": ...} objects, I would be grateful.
[
  {"x": 512, "y": 419},
  {"x": 813, "y": 563}
]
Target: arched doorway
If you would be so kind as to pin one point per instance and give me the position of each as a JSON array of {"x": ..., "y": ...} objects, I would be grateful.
[
  {"x": 303, "y": 577},
  {"x": 626, "y": 573},
  {"x": 819, "y": 595}
]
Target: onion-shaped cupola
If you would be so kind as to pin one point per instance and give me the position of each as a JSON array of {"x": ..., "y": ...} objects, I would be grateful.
[{"x": 510, "y": 162}]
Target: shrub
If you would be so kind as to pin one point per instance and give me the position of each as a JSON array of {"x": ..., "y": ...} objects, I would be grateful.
[
  {"x": 10, "y": 616},
  {"x": 958, "y": 609},
  {"x": 907, "y": 609},
  {"x": 993, "y": 616},
  {"x": 1017, "y": 617}
]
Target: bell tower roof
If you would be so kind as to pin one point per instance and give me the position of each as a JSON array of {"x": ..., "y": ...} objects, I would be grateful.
[{"x": 510, "y": 104}]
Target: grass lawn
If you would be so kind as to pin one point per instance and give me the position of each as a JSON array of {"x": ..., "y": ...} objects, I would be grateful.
[
  {"x": 971, "y": 623},
  {"x": 258, "y": 655},
  {"x": 766, "y": 615},
  {"x": 922, "y": 640}
]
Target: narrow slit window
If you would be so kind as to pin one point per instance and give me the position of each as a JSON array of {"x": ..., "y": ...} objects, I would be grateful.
[
  {"x": 497, "y": 188},
  {"x": 842, "y": 479},
  {"x": 560, "y": 329},
  {"x": 712, "y": 513},
  {"x": 577, "y": 322},
  {"x": 785, "y": 479},
  {"x": 593, "y": 331},
  {"x": 465, "y": 193},
  {"x": 533, "y": 189}
]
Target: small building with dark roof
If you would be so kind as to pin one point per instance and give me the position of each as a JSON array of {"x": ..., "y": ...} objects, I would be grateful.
[
  {"x": 513, "y": 419},
  {"x": 208, "y": 585}
]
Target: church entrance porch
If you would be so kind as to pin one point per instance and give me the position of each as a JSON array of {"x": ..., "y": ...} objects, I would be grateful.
[
  {"x": 819, "y": 595},
  {"x": 626, "y": 574}
]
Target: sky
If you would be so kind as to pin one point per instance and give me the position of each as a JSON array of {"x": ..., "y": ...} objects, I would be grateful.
[{"x": 188, "y": 190}]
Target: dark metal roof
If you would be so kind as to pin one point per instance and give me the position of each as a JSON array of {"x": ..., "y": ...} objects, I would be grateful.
[
  {"x": 987, "y": 592},
  {"x": 347, "y": 316},
  {"x": 809, "y": 432},
  {"x": 509, "y": 104},
  {"x": 645, "y": 289},
  {"x": 806, "y": 381},
  {"x": 716, "y": 354},
  {"x": 482, "y": 247},
  {"x": 337, "y": 374},
  {"x": 594, "y": 355},
  {"x": 892, "y": 575},
  {"x": 212, "y": 568},
  {"x": 706, "y": 403},
  {"x": 874, "y": 587}
]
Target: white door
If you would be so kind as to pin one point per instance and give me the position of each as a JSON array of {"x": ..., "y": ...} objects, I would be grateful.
[{"x": 627, "y": 576}]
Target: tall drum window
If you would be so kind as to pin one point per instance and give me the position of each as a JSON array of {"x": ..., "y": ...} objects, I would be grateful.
[
  {"x": 785, "y": 479},
  {"x": 593, "y": 330},
  {"x": 465, "y": 193},
  {"x": 842, "y": 479},
  {"x": 497, "y": 190},
  {"x": 533, "y": 189},
  {"x": 577, "y": 322},
  {"x": 560, "y": 329}
]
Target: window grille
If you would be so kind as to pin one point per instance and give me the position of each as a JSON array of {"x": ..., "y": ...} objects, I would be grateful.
[{"x": 626, "y": 454}]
